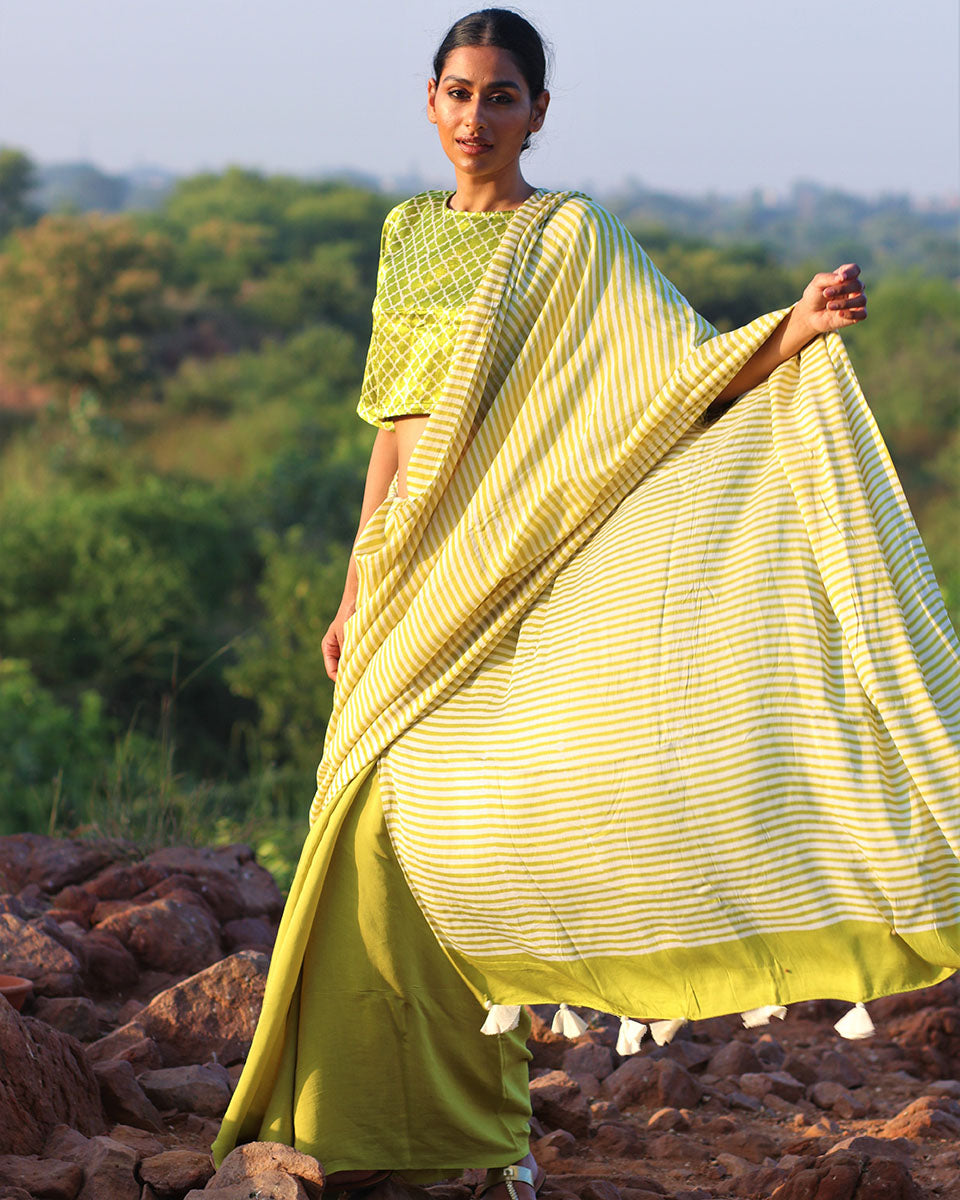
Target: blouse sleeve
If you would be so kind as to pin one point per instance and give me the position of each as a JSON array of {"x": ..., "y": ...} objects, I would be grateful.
[{"x": 370, "y": 404}]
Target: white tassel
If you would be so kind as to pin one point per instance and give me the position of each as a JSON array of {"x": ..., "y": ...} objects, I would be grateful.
[
  {"x": 631, "y": 1035},
  {"x": 761, "y": 1016},
  {"x": 664, "y": 1032},
  {"x": 501, "y": 1018},
  {"x": 567, "y": 1022},
  {"x": 855, "y": 1024}
]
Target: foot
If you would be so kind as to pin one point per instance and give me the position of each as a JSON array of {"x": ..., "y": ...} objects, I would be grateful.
[
  {"x": 521, "y": 1191},
  {"x": 354, "y": 1181}
]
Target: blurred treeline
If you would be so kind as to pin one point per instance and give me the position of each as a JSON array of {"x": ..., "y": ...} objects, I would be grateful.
[{"x": 181, "y": 469}]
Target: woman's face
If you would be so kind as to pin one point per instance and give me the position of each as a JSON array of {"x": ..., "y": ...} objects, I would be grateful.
[{"x": 483, "y": 110}]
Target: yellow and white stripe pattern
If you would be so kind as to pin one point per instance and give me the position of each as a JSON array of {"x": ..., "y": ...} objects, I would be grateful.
[{"x": 644, "y": 690}]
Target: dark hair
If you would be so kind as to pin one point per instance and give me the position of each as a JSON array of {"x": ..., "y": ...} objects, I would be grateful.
[{"x": 506, "y": 30}]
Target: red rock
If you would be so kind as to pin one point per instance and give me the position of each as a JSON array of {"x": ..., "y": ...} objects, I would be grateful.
[
  {"x": 632, "y": 1080},
  {"x": 799, "y": 1067},
  {"x": 932, "y": 1038},
  {"x": 256, "y": 886},
  {"x": 752, "y": 1144},
  {"x": 142, "y": 1053},
  {"x": 75, "y": 1015},
  {"x": 548, "y": 1048},
  {"x": 604, "y": 1110},
  {"x": 735, "y": 1058},
  {"x": 599, "y": 1189},
  {"x": 677, "y": 1147},
  {"x": 770, "y": 1052},
  {"x": 216, "y": 890},
  {"x": 167, "y": 934},
  {"x": 835, "y": 1067},
  {"x": 676, "y": 1087},
  {"x": 173, "y": 1172},
  {"x": 144, "y": 1144},
  {"x": 871, "y": 1147},
  {"x": 558, "y": 1144},
  {"x": 785, "y": 1086},
  {"x": 941, "y": 995},
  {"x": 109, "y": 1171},
  {"x": 557, "y": 1101},
  {"x": 50, "y": 863},
  {"x": 589, "y": 1085},
  {"x": 45, "y": 1081},
  {"x": 14, "y": 1193},
  {"x": 928, "y": 1117},
  {"x": 123, "y": 881},
  {"x": 248, "y": 932},
  {"x": 123, "y": 1098},
  {"x": 78, "y": 901},
  {"x": 108, "y": 964},
  {"x": 738, "y": 1099},
  {"x": 756, "y": 1084},
  {"x": 849, "y": 1177},
  {"x": 257, "y": 1158},
  {"x": 199, "y": 1089},
  {"x": 65, "y": 1143},
  {"x": 270, "y": 1185},
  {"x": 616, "y": 1139},
  {"x": 29, "y": 951},
  {"x": 668, "y": 1118},
  {"x": 588, "y": 1058},
  {"x": 213, "y": 1013},
  {"x": 838, "y": 1099},
  {"x": 46, "y": 1177}
]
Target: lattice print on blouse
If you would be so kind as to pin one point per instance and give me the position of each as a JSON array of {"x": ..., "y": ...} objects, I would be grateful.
[{"x": 432, "y": 259}]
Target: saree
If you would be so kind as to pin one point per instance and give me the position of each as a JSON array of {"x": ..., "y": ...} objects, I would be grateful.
[{"x": 664, "y": 711}]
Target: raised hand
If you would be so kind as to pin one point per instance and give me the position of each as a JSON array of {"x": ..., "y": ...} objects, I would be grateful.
[{"x": 834, "y": 299}]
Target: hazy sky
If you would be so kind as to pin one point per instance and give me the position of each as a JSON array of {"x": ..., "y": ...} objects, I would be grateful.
[{"x": 691, "y": 95}]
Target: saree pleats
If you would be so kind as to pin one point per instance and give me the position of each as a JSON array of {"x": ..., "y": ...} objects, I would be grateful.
[{"x": 372, "y": 1057}]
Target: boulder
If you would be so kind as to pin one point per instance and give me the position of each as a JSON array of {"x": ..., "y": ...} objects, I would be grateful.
[
  {"x": 588, "y": 1058},
  {"x": 932, "y": 1039},
  {"x": 48, "y": 862},
  {"x": 174, "y": 934},
  {"x": 210, "y": 1015},
  {"x": 735, "y": 1058},
  {"x": 76, "y": 1015},
  {"x": 49, "y": 1178},
  {"x": 632, "y": 1080},
  {"x": 203, "y": 1089},
  {"x": 557, "y": 1101},
  {"x": 846, "y": 1176},
  {"x": 109, "y": 1171},
  {"x": 836, "y": 1098},
  {"x": 676, "y": 1087},
  {"x": 248, "y": 932},
  {"x": 31, "y": 952},
  {"x": 257, "y": 1159},
  {"x": 259, "y": 893},
  {"x": 124, "y": 1099},
  {"x": 173, "y": 1172},
  {"x": 109, "y": 966},
  {"x": 927, "y": 1117},
  {"x": 46, "y": 1081}
]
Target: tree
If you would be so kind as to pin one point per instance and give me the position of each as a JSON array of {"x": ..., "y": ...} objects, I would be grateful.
[
  {"x": 78, "y": 298},
  {"x": 17, "y": 180}
]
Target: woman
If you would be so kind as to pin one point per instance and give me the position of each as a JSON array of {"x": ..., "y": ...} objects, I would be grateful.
[{"x": 634, "y": 710}]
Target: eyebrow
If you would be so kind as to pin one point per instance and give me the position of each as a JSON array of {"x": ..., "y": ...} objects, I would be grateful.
[{"x": 497, "y": 83}]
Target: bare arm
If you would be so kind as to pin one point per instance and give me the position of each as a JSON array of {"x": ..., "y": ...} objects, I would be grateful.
[
  {"x": 382, "y": 468},
  {"x": 831, "y": 300}
]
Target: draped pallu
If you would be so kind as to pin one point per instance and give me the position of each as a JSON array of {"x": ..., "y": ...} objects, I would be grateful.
[{"x": 664, "y": 711}]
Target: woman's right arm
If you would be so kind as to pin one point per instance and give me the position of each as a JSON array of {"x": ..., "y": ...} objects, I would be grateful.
[{"x": 382, "y": 468}]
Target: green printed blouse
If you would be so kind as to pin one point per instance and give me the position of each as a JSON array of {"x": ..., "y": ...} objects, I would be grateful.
[{"x": 432, "y": 258}]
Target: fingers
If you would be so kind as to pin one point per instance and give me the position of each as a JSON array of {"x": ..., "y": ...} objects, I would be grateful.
[{"x": 330, "y": 647}]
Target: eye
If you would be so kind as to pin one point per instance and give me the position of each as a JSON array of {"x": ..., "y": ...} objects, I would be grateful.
[
  {"x": 502, "y": 98},
  {"x": 457, "y": 93}
]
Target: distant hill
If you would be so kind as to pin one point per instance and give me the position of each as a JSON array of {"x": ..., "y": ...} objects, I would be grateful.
[{"x": 809, "y": 223}]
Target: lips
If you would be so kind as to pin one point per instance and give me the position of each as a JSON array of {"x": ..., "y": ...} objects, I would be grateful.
[{"x": 472, "y": 146}]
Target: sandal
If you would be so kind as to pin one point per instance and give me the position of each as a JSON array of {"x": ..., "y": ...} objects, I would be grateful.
[{"x": 509, "y": 1177}]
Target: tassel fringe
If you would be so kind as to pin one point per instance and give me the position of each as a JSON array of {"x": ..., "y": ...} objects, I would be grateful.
[
  {"x": 501, "y": 1018},
  {"x": 754, "y": 1017},
  {"x": 855, "y": 1024},
  {"x": 663, "y": 1032},
  {"x": 631, "y": 1035},
  {"x": 567, "y": 1022}
]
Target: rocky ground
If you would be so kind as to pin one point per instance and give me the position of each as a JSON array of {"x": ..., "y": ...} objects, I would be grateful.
[{"x": 147, "y": 978}]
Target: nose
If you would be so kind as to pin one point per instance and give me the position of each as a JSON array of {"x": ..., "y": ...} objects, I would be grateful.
[{"x": 473, "y": 118}]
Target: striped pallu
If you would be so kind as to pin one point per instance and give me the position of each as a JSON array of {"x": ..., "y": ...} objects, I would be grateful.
[{"x": 666, "y": 713}]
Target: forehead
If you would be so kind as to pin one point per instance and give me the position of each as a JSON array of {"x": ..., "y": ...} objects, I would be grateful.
[{"x": 480, "y": 64}]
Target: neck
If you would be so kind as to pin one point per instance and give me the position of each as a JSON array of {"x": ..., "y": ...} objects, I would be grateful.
[{"x": 490, "y": 195}]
